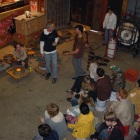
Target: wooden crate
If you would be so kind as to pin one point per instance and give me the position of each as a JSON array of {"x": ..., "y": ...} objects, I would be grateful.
[
  {"x": 30, "y": 39},
  {"x": 41, "y": 23},
  {"x": 31, "y": 25},
  {"x": 6, "y": 21}
]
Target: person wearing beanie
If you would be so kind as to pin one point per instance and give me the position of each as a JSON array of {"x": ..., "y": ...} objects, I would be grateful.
[
  {"x": 134, "y": 96},
  {"x": 118, "y": 80},
  {"x": 84, "y": 126}
]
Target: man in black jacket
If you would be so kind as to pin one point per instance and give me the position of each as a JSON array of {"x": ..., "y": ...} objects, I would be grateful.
[
  {"x": 48, "y": 42},
  {"x": 111, "y": 129}
]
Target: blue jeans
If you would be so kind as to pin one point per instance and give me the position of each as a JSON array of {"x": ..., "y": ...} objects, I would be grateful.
[
  {"x": 103, "y": 134},
  {"x": 106, "y": 35},
  {"x": 71, "y": 130},
  {"x": 74, "y": 101},
  {"x": 37, "y": 136},
  {"x": 53, "y": 57}
]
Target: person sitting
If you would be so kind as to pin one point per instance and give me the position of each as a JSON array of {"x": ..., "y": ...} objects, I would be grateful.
[
  {"x": 84, "y": 126},
  {"x": 118, "y": 80},
  {"x": 123, "y": 109},
  {"x": 55, "y": 120},
  {"x": 46, "y": 132},
  {"x": 21, "y": 55},
  {"x": 111, "y": 129},
  {"x": 92, "y": 67},
  {"x": 87, "y": 85},
  {"x": 84, "y": 98},
  {"x": 134, "y": 97},
  {"x": 103, "y": 88}
]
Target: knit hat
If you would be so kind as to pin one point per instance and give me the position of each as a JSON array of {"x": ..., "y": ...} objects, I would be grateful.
[
  {"x": 116, "y": 68},
  {"x": 84, "y": 108}
]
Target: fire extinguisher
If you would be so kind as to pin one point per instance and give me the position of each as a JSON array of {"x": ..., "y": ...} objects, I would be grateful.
[
  {"x": 111, "y": 45},
  {"x": 111, "y": 48}
]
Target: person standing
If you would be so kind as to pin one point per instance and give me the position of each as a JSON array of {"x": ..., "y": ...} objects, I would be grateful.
[
  {"x": 48, "y": 41},
  {"x": 110, "y": 22},
  {"x": 78, "y": 51}
]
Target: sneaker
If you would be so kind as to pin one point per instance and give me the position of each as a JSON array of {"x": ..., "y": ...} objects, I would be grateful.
[
  {"x": 54, "y": 80},
  {"x": 68, "y": 99},
  {"x": 69, "y": 91},
  {"x": 47, "y": 76},
  {"x": 73, "y": 78}
]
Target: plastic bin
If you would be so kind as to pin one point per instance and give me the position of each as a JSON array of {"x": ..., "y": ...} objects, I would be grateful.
[{"x": 131, "y": 75}]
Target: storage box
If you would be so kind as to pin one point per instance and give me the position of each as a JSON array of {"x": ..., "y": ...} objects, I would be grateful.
[
  {"x": 31, "y": 25},
  {"x": 30, "y": 39},
  {"x": 131, "y": 75}
]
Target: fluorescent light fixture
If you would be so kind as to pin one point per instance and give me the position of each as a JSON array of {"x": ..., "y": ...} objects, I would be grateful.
[{"x": 94, "y": 31}]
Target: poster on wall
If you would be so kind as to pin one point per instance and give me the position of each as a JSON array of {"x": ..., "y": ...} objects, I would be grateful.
[{"x": 33, "y": 6}]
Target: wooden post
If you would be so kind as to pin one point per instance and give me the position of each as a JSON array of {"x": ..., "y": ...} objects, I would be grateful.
[
  {"x": 103, "y": 13},
  {"x": 124, "y": 6}
]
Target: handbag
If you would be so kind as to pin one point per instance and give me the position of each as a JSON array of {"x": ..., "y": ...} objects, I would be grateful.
[{"x": 70, "y": 117}]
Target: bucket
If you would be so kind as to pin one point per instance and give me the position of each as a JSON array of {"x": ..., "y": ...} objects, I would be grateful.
[{"x": 100, "y": 105}]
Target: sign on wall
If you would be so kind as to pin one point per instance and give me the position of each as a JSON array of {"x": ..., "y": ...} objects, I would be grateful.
[{"x": 33, "y": 5}]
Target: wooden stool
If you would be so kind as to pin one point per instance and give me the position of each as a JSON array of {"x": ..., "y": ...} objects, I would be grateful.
[
  {"x": 17, "y": 76},
  {"x": 42, "y": 72}
]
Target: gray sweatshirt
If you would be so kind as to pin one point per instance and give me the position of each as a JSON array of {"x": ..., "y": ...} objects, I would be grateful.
[
  {"x": 58, "y": 124},
  {"x": 23, "y": 54}
]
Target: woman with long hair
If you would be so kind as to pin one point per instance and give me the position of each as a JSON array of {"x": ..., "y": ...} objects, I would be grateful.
[{"x": 87, "y": 85}]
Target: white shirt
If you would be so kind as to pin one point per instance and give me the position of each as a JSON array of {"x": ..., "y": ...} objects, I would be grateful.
[
  {"x": 92, "y": 70},
  {"x": 42, "y": 43},
  {"x": 110, "y": 21}
]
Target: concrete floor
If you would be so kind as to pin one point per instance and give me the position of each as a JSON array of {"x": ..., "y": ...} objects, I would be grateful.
[{"x": 24, "y": 102}]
